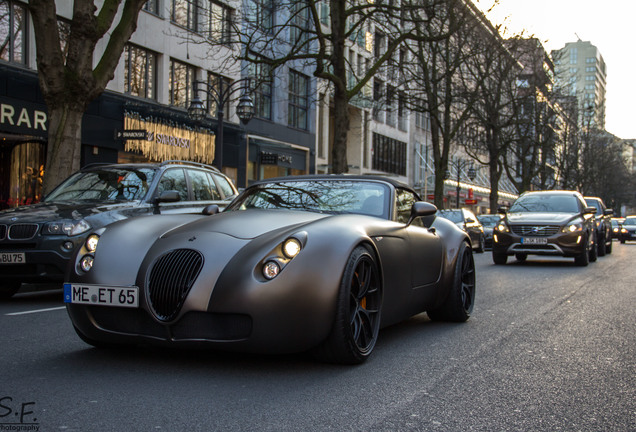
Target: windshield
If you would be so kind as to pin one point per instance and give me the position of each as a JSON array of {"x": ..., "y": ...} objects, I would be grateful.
[
  {"x": 546, "y": 203},
  {"x": 325, "y": 196},
  {"x": 107, "y": 184},
  {"x": 489, "y": 220},
  {"x": 452, "y": 215},
  {"x": 629, "y": 221}
]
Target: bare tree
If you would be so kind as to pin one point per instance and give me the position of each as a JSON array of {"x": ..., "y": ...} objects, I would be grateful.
[
  {"x": 68, "y": 76},
  {"x": 318, "y": 33}
]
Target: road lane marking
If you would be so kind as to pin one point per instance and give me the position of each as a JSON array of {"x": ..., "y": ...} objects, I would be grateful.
[{"x": 36, "y": 311}]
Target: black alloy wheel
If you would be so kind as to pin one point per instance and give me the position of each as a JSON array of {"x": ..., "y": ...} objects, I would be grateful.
[
  {"x": 355, "y": 330},
  {"x": 499, "y": 258},
  {"x": 461, "y": 298}
]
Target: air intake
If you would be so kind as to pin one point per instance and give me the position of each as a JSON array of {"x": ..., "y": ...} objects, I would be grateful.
[{"x": 171, "y": 278}]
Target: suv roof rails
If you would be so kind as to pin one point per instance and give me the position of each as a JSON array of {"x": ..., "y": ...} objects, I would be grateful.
[{"x": 184, "y": 162}]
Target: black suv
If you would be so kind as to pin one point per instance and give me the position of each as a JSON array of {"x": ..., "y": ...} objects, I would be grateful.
[
  {"x": 467, "y": 221},
  {"x": 546, "y": 223},
  {"x": 603, "y": 225},
  {"x": 37, "y": 241}
]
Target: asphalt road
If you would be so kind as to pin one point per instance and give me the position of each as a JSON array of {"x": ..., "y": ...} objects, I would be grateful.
[{"x": 550, "y": 347}]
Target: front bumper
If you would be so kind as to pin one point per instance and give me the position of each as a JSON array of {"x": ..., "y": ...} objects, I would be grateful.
[{"x": 560, "y": 244}]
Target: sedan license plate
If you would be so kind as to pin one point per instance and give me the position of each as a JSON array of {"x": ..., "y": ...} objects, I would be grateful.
[
  {"x": 12, "y": 258},
  {"x": 101, "y": 295},
  {"x": 534, "y": 240}
]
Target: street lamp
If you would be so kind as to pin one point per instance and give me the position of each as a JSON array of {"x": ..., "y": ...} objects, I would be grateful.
[{"x": 221, "y": 94}]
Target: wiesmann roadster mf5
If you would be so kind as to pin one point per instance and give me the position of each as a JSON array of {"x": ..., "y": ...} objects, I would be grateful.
[{"x": 310, "y": 263}]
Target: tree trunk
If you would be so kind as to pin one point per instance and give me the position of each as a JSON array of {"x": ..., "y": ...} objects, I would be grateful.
[
  {"x": 64, "y": 146},
  {"x": 341, "y": 129}
]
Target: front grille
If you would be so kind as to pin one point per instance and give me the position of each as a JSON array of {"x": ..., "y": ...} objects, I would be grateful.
[
  {"x": 171, "y": 277},
  {"x": 3, "y": 232},
  {"x": 22, "y": 231},
  {"x": 535, "y": 230}
]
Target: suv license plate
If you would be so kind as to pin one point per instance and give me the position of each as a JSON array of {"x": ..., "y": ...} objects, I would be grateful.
[
  {"x": 101, "y": 295},
  {"x": 12, "y": 258},
  {"x": 534, "y": 240}
]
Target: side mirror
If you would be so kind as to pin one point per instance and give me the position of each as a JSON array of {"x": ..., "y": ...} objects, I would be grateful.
[
  {"x": 470, "y": 221},
  {"x": 503, "y": 210},
  {"x": 166, "y": 196},
  {"x": 424, "y": 210},
  {"x": 210, "y": 210},
  {"x": 589, "y": 210},
  {"x": 609, "y": 212}
]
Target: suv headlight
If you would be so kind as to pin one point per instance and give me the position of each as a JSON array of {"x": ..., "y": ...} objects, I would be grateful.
[
  {"x": 69, "y": 228},
  {"x": 573, "y": 227},
  {"x": 502, "y": 227}
]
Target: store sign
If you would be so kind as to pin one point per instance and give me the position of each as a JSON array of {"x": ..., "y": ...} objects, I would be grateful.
[
  {"x": 161, "y": 141},
  {"x": 268, "y": 158},
  {"x": 23, "y": 118}
]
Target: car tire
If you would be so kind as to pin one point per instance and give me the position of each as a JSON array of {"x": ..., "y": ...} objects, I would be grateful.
[
  {"x": 461, "y": 298},
  {"x": 622, "y": 241},
  {"x": 521, "y": 256},
  {"x": 593, "y": 251},
  {"x": 357, "y": 322},
  {"x": 608, "y": 247},
  {"x": 8, "y": 289},
  {"x": 583, "y": 259},
  {"x": 482, "y": 244},
  {"x": 601, "y": 250},
  {"x": 499, "y": 258}
]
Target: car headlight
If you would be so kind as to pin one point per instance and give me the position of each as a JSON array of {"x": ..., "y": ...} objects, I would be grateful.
[
  {"x": 623, "y": 230},
  {"x": 69, "y": 228},
  {"x": 502, "y": 227},
  {"x": 291, "y": 248},
  {"x": 573, "y": 227},
  {"x": 86, "y": 263},
  {"x": 91, "y": 242}
]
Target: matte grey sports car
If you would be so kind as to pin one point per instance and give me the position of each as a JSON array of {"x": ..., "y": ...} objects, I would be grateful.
[{"x": 310, "y": 263}]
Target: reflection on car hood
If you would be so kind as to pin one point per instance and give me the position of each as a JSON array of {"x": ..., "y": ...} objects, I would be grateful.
[
  {"x": 53, "y": 211},
  {"x": 540, "y": 218},
  {"x": 248, "y": 224}
]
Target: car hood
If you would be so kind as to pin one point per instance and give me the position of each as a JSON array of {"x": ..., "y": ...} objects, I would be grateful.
[
  {"x": 540, "y": 218},
  {"x": 75, "y": 210},
  {"x": 247, "y": 224}
]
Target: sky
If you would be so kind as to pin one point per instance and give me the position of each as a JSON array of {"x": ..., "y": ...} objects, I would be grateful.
[{"x": 607, "y": 24}]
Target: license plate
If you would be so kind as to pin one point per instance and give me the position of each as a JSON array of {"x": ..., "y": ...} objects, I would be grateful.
[
  {"x": 101, "y": 295},
  {"x": 12, "y": 258},
  {"x": 534, "y": 240}
]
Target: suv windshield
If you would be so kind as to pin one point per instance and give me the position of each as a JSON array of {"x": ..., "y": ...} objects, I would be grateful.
[
  {"x": 329, "y": 196},
  {"x": 107, "y": 184},
  {"x": 546, "y": 203}
]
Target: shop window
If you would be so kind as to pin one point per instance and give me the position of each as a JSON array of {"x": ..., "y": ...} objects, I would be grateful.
[{"x": 22, "y": 170}]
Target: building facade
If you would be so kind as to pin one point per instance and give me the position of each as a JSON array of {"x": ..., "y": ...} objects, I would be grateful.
[{"x": 581, "y": 72}]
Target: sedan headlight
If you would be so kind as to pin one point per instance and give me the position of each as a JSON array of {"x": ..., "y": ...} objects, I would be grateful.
[{"x": 69, "y": 228}]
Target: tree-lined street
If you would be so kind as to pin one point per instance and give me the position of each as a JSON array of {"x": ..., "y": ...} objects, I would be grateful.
[{"x": 550, "y": 346}]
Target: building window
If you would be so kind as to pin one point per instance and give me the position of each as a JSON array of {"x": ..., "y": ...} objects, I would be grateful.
[
  {"x": 152, "y": 6},
  {"x": 378, "y": 90},
  {"x": 140, "y": 72},
  {"x": 391, "y": 111},
  {"x": 13, "y": 32},
  {"x": 214, "y": 82},
  {"x": 261, "y": 75},
  {"x": 380, "y": 44},
  {"x": 298, "y": 32},
  {"x": 389, "y": 155},
  {"x": 574, "y": 55},
  {"x": 260, "y": 13},
  {"x": 215, "y": 22},
  {"x": 298, "y": 100},
  {"x": 180, "y": 86},
  {"x": 590, "y": 60},
  {"x": 182, "y": 12}
]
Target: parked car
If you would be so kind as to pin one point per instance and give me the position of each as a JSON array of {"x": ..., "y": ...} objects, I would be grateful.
[
  {"x": 467, "y": 221},
  {"x": 488, "y": 222},
  {"x": 316, "y": 263},
  {"x": 617, "y": 225},
  {"x": 603, "y": 222},
  {"x": 37, "y": 241},
  {"x": 628, "y": 229},
  {"x": 556, "y": 223}
]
